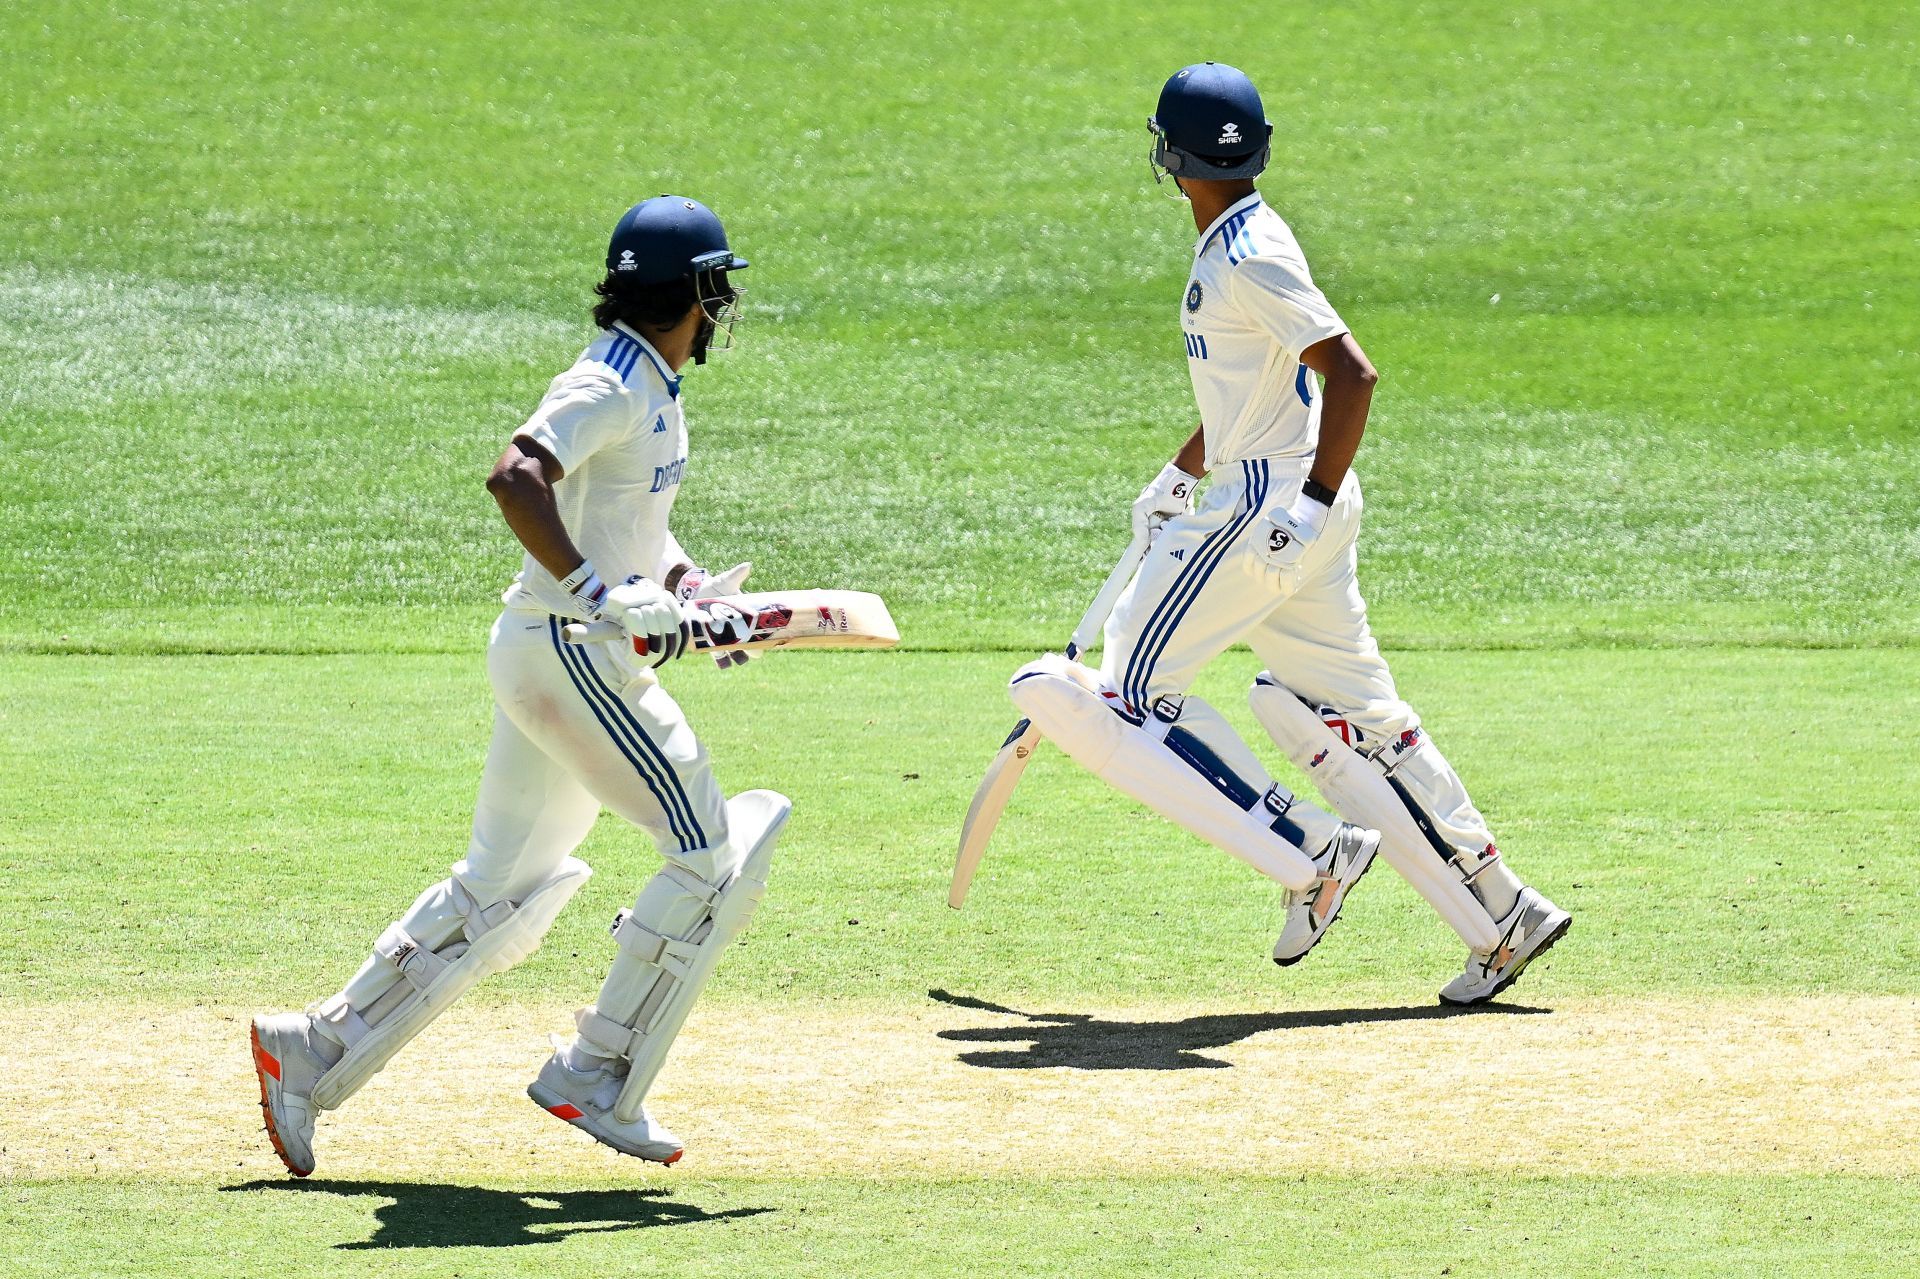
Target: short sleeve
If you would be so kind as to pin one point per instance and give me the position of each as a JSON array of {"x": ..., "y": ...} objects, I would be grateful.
[
  {"x": 584, "y": 411},
  {"x": 1281, "y": 297}
]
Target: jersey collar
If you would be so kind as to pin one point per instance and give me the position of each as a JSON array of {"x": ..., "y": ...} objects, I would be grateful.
[
  {"x": 1238, "y": 206},
  {"x": 659, "y": 365}
]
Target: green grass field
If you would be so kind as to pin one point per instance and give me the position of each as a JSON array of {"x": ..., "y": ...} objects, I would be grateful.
[{"x": 276, "y": 283}]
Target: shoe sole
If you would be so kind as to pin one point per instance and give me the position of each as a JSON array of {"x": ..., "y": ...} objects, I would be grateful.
[
  {"x": 1337, "y": 908},
  {"x": 560, "y": 1108},
  {"x": 1518, "y": 968},
  {"x": 263, "y": 1065}
]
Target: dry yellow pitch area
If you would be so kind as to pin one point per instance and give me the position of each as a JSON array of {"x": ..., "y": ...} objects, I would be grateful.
[{"x": 1657, "y": 1085}]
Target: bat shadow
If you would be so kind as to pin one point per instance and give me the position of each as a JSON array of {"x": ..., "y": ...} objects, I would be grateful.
[
  {"x": 1081, "y": 1041},
  {"x": 432, "y": 1215}
]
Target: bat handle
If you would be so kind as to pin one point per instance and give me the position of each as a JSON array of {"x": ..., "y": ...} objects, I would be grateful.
[
  {"x": 1090, "y": 626},
  {"x": 598, "y": 633}
]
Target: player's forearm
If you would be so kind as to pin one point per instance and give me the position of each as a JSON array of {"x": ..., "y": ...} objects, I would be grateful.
[
  {"x": 1192, "y": 457},
  {"x": 522, "y": 487},
  {"x": 1348, "y": 395},
  {"x": 674, "y": 562}
]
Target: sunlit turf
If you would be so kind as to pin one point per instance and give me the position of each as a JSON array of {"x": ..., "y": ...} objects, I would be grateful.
[
  {"x": 1228, "y": 1226},
  {"x": 240, "y": 828},
  {"x": 278, "y": 281}
]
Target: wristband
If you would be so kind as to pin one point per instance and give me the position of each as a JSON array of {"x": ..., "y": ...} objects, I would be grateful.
[
  {"x": 1318, "y": 492},
  {"x": 571, "y": 583}
]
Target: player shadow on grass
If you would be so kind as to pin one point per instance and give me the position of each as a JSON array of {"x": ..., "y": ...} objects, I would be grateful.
[
  {"x": 427, "y": 1215},
  {"x": 1081, "y": 1041}
]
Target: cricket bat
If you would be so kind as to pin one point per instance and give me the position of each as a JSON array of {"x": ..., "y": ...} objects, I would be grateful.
[
  {"x": 1003, "y": 774},
  {"x": 770, "y": 619}
]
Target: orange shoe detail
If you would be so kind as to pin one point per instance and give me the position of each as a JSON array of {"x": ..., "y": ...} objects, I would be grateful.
[
  {"x": 264, "y": 1059},
  {"x": 674, "y": 1158},
  {"x": 566, "y": 1110},
  {"x": 266, "y": 1065}
]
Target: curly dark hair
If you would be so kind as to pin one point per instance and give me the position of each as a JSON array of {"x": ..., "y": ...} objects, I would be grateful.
[{"x": 649, "y": 306}]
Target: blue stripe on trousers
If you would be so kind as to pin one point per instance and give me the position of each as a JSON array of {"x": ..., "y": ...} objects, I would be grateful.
[
  {"x": 1187, "y": 587},
  {"x": 1134, "y": 684},
  {"x": 1256, "y": 498},
  {"x": 689, "y": 839},
  {"x": 651, "y": 763},
  {"x": 652, "y": 748}
]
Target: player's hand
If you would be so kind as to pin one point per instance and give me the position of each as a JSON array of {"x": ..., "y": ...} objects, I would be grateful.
[
  {"x": 648, "y": 611},
  {"x": 1286, "y": 535},
  {"x": 697, "y": 583},
  {"x": 1170, "y": 494}
]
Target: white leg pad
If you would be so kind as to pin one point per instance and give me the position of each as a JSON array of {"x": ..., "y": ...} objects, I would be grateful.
[
  {"x": 430, "y": 978},
  {"x": 1315, "y": 827},
  {"x": 1064, "y": 699},
  {"x": 1355, "y": 785},
  {"x": 754, "y": 820}
]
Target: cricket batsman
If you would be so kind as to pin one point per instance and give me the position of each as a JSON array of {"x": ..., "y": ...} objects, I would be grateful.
[
  {"x": 587, "y": 486},
  {"x": 1267, "y": 556}
]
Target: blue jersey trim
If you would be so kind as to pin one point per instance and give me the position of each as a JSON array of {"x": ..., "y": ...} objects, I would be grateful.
[
  {"x": 1232, "y": 220},
  {"x": 625, "y": 353}
]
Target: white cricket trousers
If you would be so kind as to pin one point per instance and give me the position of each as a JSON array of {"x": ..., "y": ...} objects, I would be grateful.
[
  {"x": 1207, "y": 584},
  {"x": 576, "y": 728}
]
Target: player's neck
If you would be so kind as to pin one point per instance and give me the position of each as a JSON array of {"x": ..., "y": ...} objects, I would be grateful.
[
  {"x": 674, "y": 345},
  {"x": 1211, "y": 199}
]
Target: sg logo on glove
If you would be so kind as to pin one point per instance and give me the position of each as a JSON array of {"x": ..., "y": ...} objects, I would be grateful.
[
  {"x": 1278, "y": 539},
  {"x": 726, "y": 624}
]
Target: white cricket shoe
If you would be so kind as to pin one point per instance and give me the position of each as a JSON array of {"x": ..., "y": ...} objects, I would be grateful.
[
  {"x": 586, "y": 1099},
  {"x": 289, "y": 1064},
  {"x": 1530, "y": 927},
  {"x": 1311, "y": 913}
]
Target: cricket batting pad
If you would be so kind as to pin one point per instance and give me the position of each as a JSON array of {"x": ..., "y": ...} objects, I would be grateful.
[
  {"x": 1359, "y": 789},
  {"x": 1066, "y": 702},
  {"x": 444, "y": 944},
  {"x": 669, "y": 944}
]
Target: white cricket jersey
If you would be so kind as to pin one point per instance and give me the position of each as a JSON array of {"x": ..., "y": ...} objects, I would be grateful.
[
  {"x": 1251, "y": 308},
  {"x": 613, "y": 422}
]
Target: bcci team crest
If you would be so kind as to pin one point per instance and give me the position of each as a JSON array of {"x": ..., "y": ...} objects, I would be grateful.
[{"x": 1193, "y": 297}]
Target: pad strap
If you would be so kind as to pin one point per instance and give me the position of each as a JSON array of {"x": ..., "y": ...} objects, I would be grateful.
[
  {"x": 349, "y": 1026},
  {"x": 412, "y": 960},
  {"x": 667, "y": 953}
]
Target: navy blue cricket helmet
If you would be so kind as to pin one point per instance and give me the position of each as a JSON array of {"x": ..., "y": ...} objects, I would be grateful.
[
  {"x": 1210, "y": 124},
  {"x": 669, "y": 238}
]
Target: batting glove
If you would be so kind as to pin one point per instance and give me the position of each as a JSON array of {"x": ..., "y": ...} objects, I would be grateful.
[
  {"x": 1170, "y": 494},
  {"x": 648, "y": 611},
  {"x": 697, "y": 583},
  {"x": 1290, "y": 532}
]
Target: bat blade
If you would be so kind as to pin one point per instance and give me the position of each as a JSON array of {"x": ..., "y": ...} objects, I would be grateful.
[{"x": 989, "y": 801}]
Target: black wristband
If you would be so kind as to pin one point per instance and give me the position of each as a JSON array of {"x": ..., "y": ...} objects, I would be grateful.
[{"x": 1319, "y": 492}]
